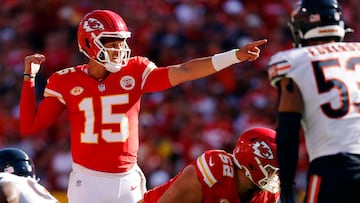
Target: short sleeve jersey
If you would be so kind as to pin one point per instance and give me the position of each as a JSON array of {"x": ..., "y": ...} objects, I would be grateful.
[{"x": 329, "y": 80}]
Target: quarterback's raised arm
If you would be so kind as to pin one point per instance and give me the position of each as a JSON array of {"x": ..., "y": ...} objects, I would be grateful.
[
  {"x": 201, "y": 67},
  {"x": 33, "y": 117}
]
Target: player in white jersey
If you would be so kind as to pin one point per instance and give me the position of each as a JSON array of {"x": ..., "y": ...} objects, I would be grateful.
[
  {"x": 18, "y": 183},
  {"x": 319, "y": 87}
]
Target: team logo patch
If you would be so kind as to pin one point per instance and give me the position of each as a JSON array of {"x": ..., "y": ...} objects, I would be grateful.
[
  {"x": 314, "y": 18},
  {"x": 261, "y": 149},
  {"x": 93, "y": 24},
  {"x": 76, "y": 91},
  {"x": 9, "y": 169},
  {"x": 127, "y": 82}
]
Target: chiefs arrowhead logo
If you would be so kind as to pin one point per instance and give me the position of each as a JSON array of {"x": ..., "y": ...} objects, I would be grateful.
[
  {"x": 262, "y": 149},
  {"x": 93, "y": 24}
]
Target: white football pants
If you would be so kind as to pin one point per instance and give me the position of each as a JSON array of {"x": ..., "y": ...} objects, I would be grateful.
[{"x": 90, "y": 186}]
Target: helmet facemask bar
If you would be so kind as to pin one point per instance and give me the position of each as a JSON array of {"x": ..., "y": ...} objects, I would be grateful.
[
  {"x": 123, "y": 52},
  {"x": 294, "y": 28},
  {"x": 271, "y": 181}
]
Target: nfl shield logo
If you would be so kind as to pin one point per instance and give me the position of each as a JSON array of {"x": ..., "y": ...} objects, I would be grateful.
[{"x": 101, "y": 87}]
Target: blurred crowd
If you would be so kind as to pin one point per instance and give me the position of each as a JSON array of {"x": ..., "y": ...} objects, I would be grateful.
[{"x": 175, "y": 125}]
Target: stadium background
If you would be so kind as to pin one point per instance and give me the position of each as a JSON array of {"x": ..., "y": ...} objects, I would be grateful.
[{"x": 175, "y": 125}]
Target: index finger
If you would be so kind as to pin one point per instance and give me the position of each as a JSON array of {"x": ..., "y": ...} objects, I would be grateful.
[{"x": 258, "y": 43}]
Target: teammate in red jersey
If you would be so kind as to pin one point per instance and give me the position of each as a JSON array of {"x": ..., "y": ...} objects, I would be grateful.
[
  {"x": 102, "y": 100},
  {"x": 249, "y": 174}
]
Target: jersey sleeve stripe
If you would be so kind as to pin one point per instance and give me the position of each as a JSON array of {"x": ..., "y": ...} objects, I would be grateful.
[
  {"x": 277, "y": 70},
  {"x": 149, "y": 68},
  {"x": 52, "y": 93},
  {"x": 281, "y": 67},
  {"x": 208, "y": 177}
]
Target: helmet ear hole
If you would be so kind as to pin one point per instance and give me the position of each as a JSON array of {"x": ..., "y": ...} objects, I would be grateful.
[
  {"x": 87, "y": 42},
  {"x": 101, "y": 56}
]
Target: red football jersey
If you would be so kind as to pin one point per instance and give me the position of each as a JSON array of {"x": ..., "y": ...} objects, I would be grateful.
[
  {"x": 103, "y": 115},
  {"x": 217, "y": 175}
]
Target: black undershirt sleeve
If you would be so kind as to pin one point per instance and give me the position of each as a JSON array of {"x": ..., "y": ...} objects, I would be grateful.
[{"x": 287, "y": 140}]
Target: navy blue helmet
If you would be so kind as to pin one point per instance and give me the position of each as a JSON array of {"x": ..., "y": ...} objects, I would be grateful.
[
  {"x": 16, "y": 161},
  {"x": 317, "y": 19}
]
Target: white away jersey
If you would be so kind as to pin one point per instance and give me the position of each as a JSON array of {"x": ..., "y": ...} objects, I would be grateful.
[
  {"x": 30, "y": 190},
  {"x": 329, "y": 79}
]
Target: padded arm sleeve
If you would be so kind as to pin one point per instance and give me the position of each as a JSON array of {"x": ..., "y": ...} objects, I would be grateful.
[{"x": 287, "y": 140}]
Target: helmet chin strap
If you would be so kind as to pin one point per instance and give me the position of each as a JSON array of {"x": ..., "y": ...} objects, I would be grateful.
[{"x": 111, "y": 67}]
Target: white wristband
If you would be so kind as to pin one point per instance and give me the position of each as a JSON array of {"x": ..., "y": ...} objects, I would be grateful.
[{"x": 224, "y": 60}]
